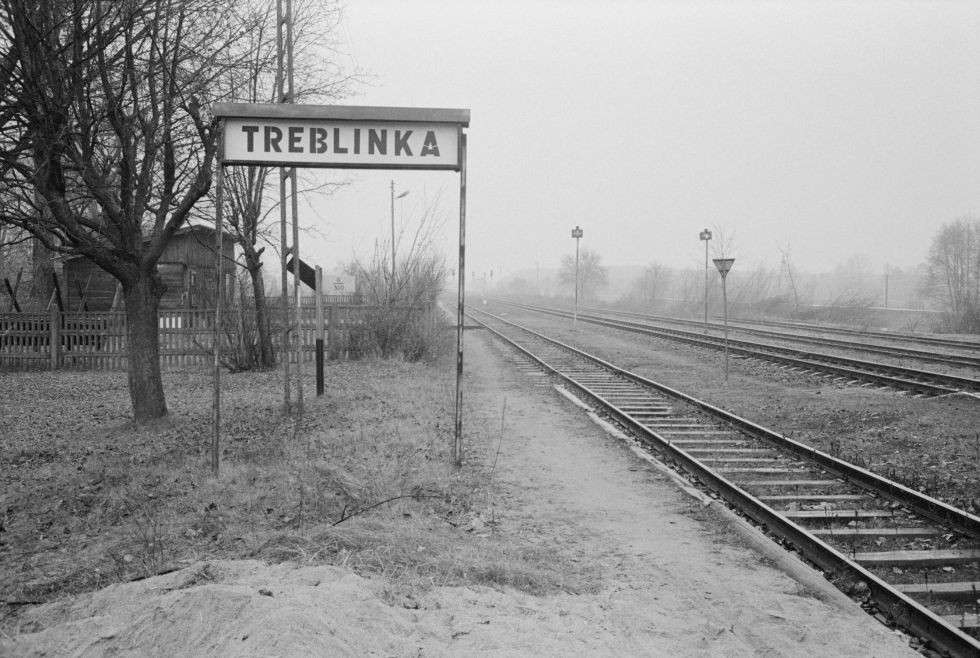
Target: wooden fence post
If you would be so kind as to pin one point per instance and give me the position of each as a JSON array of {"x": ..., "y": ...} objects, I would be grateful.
[
  {"x": 55, "y": 346},
  {"x": 333, "y": 335}
]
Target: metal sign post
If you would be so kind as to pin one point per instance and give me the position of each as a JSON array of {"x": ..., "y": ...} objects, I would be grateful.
[
  {"x": 705, "y": 237},
  {"x": 284, "y": 92},
  {"x": 724, "y": 265},
  {"x": 460, "y": 309},
  {"x": 216, "y": 345},
  {"x": 577, "y": 234},
  {"x": 319, "y": 330}
]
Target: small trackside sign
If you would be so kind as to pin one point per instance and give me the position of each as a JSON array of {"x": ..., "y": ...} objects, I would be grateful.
[
  {"x": 339, "y": 284},
  {"x": 312, "y": 136}
]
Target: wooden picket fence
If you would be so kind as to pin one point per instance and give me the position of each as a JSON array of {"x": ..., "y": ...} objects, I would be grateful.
[
  {"x": 97, "y": 341},
  {"x": 25, "y": 340}
]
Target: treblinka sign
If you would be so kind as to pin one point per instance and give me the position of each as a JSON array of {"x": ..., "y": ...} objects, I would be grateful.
[
  {"x": 342, "y": 136},
  {"x": 290, "y": 136}
]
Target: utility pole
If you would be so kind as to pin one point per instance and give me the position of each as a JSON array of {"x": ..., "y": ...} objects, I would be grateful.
[
  {"x": 290, "y": 322},
  {"x": 705, "y": 237}
]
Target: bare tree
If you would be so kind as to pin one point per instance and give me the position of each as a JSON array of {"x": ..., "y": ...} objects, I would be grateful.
[
  {"x": 106, "y": 148},
  {"x": 416, "y": 256},
  {"x": 405, "y": 303},
  {"x": 651, "y": 285},
  {"x": 316, "y": 79},
  {"x": 593, "y": 276},
  {"x": 724, "y": 242},
  {"x": 753, "y": 286},
  {"x": 690, "y": 289},
  {"x": 787, "y": 265},
  {"x": 953, "y": 272}
]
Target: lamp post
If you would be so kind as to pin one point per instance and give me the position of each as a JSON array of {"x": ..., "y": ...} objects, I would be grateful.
[
  {"x": 724, "y": 265},
  {"x": 393, "y": 197},
  {"x": 886, "y": 285},
  {"x": 705, "y": 237},
  {"x": 577, "y": 234}
]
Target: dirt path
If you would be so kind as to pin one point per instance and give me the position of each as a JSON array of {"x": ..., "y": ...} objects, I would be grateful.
[
  {"x": 675, "y": 585},
  {"x": 669, "y": 580}
]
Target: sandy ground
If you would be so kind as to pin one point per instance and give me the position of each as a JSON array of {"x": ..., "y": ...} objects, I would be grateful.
[{"x": 675, "y": 581}]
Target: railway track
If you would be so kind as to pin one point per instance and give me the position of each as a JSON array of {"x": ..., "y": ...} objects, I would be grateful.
[
  {"x": 950, "y": 343},
  {"x": 879, "y": 347},
  {"x": 849, "y": 370},
  {"x": 914, "y": 560}
]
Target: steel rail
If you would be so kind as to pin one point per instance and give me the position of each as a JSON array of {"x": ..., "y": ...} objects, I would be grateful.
[
  {"x": 958, "y": 343},
  {"x": 919, "y": 381},
  {"x": 911, "y": 614},
  {"x": 885, "y": 350}
]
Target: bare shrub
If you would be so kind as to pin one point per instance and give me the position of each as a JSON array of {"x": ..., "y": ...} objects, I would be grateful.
[
  {"x": 404, "y": 320},
  {"x": 240, "y": 338},
  {"x": 240, "y": 351},
  {"x": 850, "y": 307},
  {"x": 965, "y": 320},
  {"x": 409, "y": 331}
]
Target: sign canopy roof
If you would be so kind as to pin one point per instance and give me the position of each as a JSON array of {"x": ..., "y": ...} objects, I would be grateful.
[{"x": 460, "y": 117}]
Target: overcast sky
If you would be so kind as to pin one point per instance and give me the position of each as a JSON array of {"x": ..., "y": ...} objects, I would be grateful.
[{"x": 823, "y": 130}]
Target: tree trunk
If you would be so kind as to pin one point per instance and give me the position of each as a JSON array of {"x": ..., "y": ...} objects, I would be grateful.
[
  {"x": 267, "y": 356},
  {"x": 42, "y": 269},
  {"x": 143, "y": 346}
]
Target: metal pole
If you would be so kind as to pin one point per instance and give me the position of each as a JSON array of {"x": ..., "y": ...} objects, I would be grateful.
[
  {"x": 705, "y": 286},
  {"x": 460, "y": 307},
  {"x": 297, "y": 317},
  {"x": 289, "y": 50},
  {"x": 219, "y": 278},
  {"x": 297, "y": 309},
  {"x": 724, "y": 265},
  {"x": 319, "y": 331},
  {"x": 575, "y": 316},
  {"x": 724, "y": 296},
  {"x": 392, "y": 237},
  {"x": 284, "y": 347}
]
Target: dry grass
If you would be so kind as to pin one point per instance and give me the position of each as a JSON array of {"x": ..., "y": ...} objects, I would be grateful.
[{"x": 90, "y": 500}]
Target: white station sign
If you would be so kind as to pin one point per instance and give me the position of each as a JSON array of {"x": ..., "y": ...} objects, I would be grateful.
[{"x": 325, "y": 136}]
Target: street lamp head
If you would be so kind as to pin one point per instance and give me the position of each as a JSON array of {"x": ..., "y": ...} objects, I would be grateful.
[
  {"x": 705, "y": 234},
  {"x": 405, "y": 193},
  {"x": 723, "y": 265}
]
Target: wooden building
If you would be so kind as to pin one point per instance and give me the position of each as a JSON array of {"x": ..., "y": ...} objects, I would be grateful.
[{"x": 186, "y": 266}]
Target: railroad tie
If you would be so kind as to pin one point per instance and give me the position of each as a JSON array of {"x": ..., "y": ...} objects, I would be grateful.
[{"x": 925, "y": 558}]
